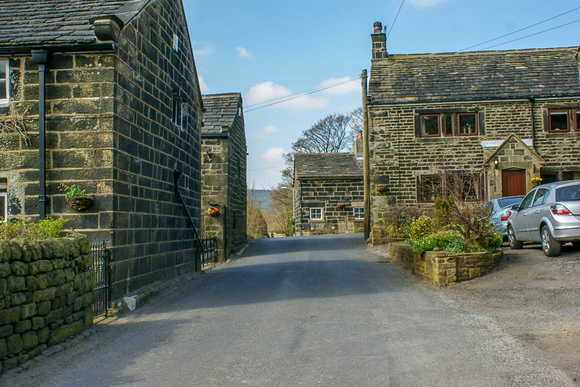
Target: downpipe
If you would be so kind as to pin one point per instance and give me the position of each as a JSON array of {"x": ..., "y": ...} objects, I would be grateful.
[{"x": 40, "y": 57}]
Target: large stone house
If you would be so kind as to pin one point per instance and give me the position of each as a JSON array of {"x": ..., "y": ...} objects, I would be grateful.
[
  {"x": 480, "y": 124},
  {"x": 328, "y": 193},
  {"x": 224, "y": 189},
  {"x": 104, "y": 95}
]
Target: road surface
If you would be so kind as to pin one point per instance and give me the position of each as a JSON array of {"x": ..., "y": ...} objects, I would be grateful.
[{"x": 297, "y": 311}]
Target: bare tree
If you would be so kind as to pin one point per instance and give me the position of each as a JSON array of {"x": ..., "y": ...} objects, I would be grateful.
[
  {"x": 256, "y": 226},
  {"x": 280, "y": 215},
  {"x": 329, "y": 135}
]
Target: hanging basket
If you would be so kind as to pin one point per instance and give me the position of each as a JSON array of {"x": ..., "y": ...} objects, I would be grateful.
[
  {"x": 80, "y": 203},
  {"x": 213, "y": 211}
]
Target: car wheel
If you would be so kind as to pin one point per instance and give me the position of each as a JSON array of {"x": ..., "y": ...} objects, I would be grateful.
[
  {"x": 514, "y": 244},
  {"x": 550, "y": 246}
]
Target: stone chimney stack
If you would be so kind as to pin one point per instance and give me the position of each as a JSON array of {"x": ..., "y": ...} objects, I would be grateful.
[{"x": 379, "y": 39}]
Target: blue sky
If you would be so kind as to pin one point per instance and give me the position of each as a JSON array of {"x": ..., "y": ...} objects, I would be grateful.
[{"x": 272, "y": 49}]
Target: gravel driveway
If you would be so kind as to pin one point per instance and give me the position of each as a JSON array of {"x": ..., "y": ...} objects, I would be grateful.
[{"x": 535, "y": 298}]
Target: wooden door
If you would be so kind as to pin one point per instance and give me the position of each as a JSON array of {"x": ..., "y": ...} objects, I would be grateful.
[{"x": 513, "y": 182}]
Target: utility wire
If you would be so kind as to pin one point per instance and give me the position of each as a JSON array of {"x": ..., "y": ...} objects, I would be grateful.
[
  {"x": 278, "y": 100},
  {"x": 537, "y": 33},
  {"x": 520, "y": 30},
  {"x": 396, "y": 16}
]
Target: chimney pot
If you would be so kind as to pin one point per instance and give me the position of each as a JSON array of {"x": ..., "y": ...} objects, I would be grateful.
[{"x": 378, "y": 26}]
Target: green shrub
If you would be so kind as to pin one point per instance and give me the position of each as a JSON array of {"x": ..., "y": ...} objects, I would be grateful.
[
  {"x": 43, "y": 229},
  {"x": 449, "y": 241},
  {"x": 420, "y": 228}
]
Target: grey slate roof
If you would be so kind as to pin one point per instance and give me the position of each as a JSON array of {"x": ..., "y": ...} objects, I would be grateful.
[
  {"x": 312, "y": 166},
  {"x": 471, "y": 76},
  {"x": 220, "y": 111},
  {"x": 45, "y": 22}
]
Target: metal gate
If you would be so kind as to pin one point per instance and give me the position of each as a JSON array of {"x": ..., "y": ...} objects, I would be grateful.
[
  {"x": 101, "y": 267},
  {"x": 208, "y": 256}
]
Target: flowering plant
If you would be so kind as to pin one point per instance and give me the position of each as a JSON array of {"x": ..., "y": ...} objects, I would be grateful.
[
  {"x": 212, "y": 210},
  {"x": 536, "y": 179}
]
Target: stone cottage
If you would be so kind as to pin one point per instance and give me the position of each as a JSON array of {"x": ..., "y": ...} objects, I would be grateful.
[
  {"x": 328, "y": 193},
  {"x": 104, "y": 95},
  {"x": 224, "y": 189},
  {"x": 480, "y": 124}
]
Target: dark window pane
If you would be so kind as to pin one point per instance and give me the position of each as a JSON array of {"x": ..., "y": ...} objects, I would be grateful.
[
  {"x": 577, "y": 120},
  {"x": 429, "y": 125},
  {"x": 3, "y": 92},
  {"x": 431, "y": 186},
  {"x": 3, "y": 68},
  {"x": 467, "y": 124},
  {"x": 559, "y": 121}
]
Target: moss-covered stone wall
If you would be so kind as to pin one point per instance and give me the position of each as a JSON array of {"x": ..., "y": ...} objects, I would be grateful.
[{"x": 46, "y": 295}]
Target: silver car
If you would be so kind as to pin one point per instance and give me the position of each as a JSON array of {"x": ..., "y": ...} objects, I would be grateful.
[{"x": 550, "y": 214}]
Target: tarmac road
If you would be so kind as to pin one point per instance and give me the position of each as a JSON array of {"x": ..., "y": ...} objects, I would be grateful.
[{"x": 297, "y": 311}]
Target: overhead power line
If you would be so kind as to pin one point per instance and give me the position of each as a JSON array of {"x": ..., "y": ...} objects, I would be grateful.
[
  {"x": 279, "y": 100},
  {"x": 537, "y": 33},
  {"x": 523, "y": 29},
  {"x": 395, "y": 20}
]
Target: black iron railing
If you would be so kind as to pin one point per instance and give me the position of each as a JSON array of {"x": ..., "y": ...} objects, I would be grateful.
[
  {"x": 100, "y": 255},
  {"x": 208, "y": 255}
]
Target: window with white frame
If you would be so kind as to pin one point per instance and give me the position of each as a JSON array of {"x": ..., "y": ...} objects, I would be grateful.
[
  {"x": 3, "y": 198},
  {"x": 358, "y": 212},
  {"x": 316, "y": 213},
  {"x": 4, "y": 81}
]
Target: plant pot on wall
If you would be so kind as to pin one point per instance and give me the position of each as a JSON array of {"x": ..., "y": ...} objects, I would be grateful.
[
  {"x": 213, "y": 211},
  {"x": 80, "y": 203}
]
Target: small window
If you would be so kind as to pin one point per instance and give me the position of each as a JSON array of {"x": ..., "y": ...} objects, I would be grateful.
[
  {"x": 4, "y": 81},
  {"x": 559, "y": 121},
  {"x": 177, "y": 114},
  {"x": 429, "y": 126},
  {"x": 358, "y": 212},
  {"x": 430, "y": 187},
  {"x": 467, "y": 124},
  {"x": 316, "y": 213}
]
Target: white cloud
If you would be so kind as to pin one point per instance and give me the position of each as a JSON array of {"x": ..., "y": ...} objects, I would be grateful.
[
  {"x": 243, "y": 52},
  {"x": 340, "y": 86},
  {"x": 269, "y": 92},
  {"x": 205, "y": 49},
  {"x": 266, "y": 132},
  {"x": 273, "y": 156},
  {"x": 202, "y": 85},
  {"x": 426, "y": 3}
]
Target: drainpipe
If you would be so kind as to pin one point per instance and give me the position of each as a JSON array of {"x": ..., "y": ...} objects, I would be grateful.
[
  {"x": 176, "y": 175},
  {"x": 40, "y": 57},
  {"x": 366, "y": 161},
  {"x": 532, "y": 100}
]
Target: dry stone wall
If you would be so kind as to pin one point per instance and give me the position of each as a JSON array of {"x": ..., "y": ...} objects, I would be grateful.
[{"x": 46, "y": 295}]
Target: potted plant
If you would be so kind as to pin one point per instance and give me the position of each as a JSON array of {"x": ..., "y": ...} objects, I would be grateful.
[
  {"x": 381, "y": 188},
  {"x": 536, "y": 181},
  {"x": 77, "y": 198}
]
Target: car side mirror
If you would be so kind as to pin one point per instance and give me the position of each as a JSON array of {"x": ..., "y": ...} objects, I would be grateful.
[{"x": 515, "y": 207}]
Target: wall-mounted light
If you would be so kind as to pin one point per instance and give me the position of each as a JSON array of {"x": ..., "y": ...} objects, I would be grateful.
[
  {"x": 495, "y": 164},
  {"x": 206, "y": 150}
]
